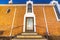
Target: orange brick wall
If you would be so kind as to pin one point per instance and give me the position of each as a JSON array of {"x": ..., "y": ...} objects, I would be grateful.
[
  {"x": 6, "y": 20},
  {"x": 40, "y": 23},
  {"x": 19, "y": 19},
  {"x": 53, "y": 24}
]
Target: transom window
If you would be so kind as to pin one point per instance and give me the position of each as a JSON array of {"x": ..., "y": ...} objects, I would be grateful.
[{"x": 29, "y": 7}]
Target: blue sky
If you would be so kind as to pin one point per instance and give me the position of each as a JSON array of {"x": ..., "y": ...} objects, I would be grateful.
[{"x": 24, "y": 1}]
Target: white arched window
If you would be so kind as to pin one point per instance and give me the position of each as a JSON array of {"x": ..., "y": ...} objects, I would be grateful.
[{"x": 30, "y": 7}]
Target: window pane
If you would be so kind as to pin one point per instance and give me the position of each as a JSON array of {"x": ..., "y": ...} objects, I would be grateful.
[
  {"x": 29, "y": 24},
  {"x": 57, "y": 12},
  {"x": 29, "y": 7}
]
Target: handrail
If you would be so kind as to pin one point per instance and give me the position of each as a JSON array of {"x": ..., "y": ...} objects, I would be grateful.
[
  {"x": 34, "y": 25},
  {"x": 18, "y": 27},
  {"x": 40, "y": 26}
]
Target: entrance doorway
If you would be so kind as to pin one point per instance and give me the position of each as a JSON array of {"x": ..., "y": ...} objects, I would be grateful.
[{"x": 29, "y": 27}]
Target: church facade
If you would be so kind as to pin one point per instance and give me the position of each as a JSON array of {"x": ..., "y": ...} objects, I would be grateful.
[{"x": 31, "y": 18}]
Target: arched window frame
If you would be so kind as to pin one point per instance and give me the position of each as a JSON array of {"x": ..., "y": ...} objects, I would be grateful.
[{"x": 29, "y": 8}]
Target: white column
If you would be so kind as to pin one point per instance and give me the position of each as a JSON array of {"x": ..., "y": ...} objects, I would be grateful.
[
  {"x": 45, "y": 19},
  {"x": 12, "y": 26}
]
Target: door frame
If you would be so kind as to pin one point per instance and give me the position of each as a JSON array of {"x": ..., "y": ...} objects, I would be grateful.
[{"x": 26, "y": 25}]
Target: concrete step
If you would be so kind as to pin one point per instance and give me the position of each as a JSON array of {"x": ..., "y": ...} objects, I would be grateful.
[
  {"x": 29, "y": 34},
  {"x": 29, "y": 39}
]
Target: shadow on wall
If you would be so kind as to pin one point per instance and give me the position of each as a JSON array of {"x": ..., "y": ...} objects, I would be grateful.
[{"x": 53, "y": 37}]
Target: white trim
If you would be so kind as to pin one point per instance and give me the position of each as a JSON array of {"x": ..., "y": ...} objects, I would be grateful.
[
  {"x": 57, "y": 4},
  {"x": 25, "y": 4},
  {"x": 10, "y": 2},
  {"x": 45, "y": 21},
  {"x": 29, "y": 15},
  {"x": 52, "y": 2},
  {"x": 43, "y": 4},
  {"x": 56, "y": 14},
  {"x": 13, "y": 22}
]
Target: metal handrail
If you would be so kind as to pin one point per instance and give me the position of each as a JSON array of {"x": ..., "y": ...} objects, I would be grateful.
[
  {"x": 45, "y": 33},
  {"x": 18, "y": 27},
  {"x": 34, "y": 25}
]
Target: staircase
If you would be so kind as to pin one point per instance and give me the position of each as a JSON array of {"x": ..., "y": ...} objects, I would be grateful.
[{"x": 29, "y": 36}]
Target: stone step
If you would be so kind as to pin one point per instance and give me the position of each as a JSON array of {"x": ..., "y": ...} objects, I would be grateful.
[
  {"x": 29, "y": 34},
  {"x": 29, "y": 39}
]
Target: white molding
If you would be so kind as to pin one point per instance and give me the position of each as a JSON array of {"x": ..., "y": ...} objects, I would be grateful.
[
  {"x": 52, "y": 2},
  {"x": 43, "y": 4},
  {"x": 29, "y": 15},
  {"x": 13, "y": 22},
  {"x": 56, "y": 14},
  {"x": 25, "y": 4},
  {"x": 45, "y": 21},
  {"x": 10, "y": 2},
  {"x": 58, "y": 6}
]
